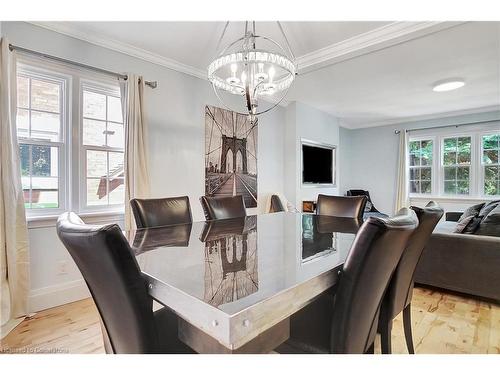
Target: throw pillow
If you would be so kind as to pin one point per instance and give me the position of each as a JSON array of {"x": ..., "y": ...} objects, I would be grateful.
[
  {"x": 463, "y": 223},
  {"x": 490, "y": 225},
  {"x": 472, "y": 211},
  {"x": 472, "y": 226},
  {"x": 488, "y": 207}
]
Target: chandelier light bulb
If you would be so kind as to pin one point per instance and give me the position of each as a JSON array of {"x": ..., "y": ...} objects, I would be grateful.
[
  {"x": 271, "y": 73},
  {"x": 261, "y": 76},
  {"x": 233, "y": 80}
]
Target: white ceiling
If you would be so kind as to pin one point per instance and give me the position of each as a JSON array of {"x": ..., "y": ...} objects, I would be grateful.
[
  {"x": 366, "y": 73},
  {"x": 395, "y": 83},
  {"x": 194, "y": 43}
]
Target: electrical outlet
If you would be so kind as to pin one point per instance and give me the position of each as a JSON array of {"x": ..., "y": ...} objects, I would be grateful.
[{"x": 62, "y": 267}]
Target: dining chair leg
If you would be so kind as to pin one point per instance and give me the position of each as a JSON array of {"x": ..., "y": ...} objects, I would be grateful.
[
  {"x": 385, "y": 337},
  {"x": 407, "y": 328}
]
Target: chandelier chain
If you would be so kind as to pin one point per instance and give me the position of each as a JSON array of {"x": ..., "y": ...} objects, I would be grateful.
[
  {"x": 286, "y": 40},
  {"x": 221, "y": 37}
]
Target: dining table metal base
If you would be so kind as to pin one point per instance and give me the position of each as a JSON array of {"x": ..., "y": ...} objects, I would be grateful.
[{"x": 264, "y": 343}]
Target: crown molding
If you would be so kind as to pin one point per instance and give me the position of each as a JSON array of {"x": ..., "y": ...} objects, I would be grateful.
[
  {"x": 373, "y": 40},
  {"x": 382, "y": 37},
  {"x": 410, "y": 119},
  {"x": 121, "y": 47}
]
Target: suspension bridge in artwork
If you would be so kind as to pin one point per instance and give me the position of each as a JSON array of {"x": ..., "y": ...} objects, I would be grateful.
[{"x": 230, "y": 164}]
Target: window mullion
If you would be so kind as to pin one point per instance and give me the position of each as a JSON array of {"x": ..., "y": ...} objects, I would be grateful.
[
  {"x": 29, "y": 110},
  {"x": 107, "y": 177},
  {"x": 30, "y": 151}
]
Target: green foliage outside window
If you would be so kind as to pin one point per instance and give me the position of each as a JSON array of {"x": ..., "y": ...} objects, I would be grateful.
[
  {"x": 491, "y": 156},
  {"x": 421, "y": 166},
  {"x": 456, "y": 161}
]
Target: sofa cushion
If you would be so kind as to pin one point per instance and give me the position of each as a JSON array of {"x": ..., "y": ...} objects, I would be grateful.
[
  {"x": 490, "y": 225},
  {"x": 445, "y": 227},
  {"x": 472, "y": 211}
]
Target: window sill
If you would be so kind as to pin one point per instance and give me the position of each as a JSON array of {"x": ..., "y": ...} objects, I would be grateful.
[
  {"x": 89, "y": 218},
  {"x": 451, "y": 199}
]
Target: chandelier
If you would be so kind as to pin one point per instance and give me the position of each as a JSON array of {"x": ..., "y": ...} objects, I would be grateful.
[{"x": 252, "y": 75}]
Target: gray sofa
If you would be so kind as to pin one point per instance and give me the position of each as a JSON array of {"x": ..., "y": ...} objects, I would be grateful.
[{"x": 466, "y": 263}]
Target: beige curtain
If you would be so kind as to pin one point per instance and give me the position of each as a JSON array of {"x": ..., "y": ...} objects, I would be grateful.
[
  {"x": 402, "y": 192},
  {"x": 136, "y": 145},
  {"x": 14, "y": 255}
]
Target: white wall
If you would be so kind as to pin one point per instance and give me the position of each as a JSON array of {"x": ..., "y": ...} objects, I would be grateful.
[
  {"x": 371, "y": 159},
  {"x": 344, "y": 155},
  {"x": 175, "y": 115},
  {"x": 305, "y": 122}
]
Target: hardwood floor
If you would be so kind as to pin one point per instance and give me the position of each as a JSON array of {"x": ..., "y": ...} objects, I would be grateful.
[{"x": 442, "y": 323}]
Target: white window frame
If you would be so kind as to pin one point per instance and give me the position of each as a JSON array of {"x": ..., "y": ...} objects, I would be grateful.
[
  {"x": 103, "y": 88},
  {"x": 434, "y": 183},
  {"x": 472, "y": 189},
  {"x": 476, "y": 172},
  {"x": 482, "y": 165},
  {"x": 70, "y": 159},
  {"x": 62, "y": 145}
]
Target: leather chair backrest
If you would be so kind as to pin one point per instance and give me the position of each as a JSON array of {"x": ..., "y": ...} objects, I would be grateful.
[
  {"x": 367, "y": 271},
  {"x": 216, "y": 208},
  {"x": 113, "y": 276},
  {"x": 330, "y": 205},
  {"x": 358, "y": 192},
  {"x": 276, "y": 205},
  {"x": 401, "y": 286},
  {"x": 160, "y": 212},
  {"x": 332, "y": 224}
]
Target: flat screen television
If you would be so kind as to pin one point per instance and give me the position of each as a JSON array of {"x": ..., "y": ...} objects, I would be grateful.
[{"x": 318, "y": 164}]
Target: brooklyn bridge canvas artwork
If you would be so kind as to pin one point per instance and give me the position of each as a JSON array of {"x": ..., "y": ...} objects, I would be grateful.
[{"x": 230, "y": 155}]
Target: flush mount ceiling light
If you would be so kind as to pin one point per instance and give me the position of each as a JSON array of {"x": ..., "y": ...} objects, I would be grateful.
[
  {"x": 254, "y": 68},
  {"x": 448, "y": 85}
]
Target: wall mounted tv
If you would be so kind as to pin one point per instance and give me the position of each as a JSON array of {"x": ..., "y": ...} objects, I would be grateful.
[{"x": 318, "y": 164}]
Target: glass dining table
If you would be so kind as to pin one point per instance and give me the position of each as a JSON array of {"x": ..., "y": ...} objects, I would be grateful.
[{"x": 234, "y": 283}]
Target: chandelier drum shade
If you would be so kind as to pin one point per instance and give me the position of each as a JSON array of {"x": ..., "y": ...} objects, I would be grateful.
[{"x": 252, "y": 74}]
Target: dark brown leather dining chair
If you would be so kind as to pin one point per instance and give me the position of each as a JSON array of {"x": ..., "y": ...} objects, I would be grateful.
[
  {"x": 120, "y": 293},
  {"x": 162, "y": 211},
  {"x": 331, "y": 205},
  {"x": 216, "y": 208},
  {"x": 346, "y": 322},
  {"x": 399, "y": 293}
]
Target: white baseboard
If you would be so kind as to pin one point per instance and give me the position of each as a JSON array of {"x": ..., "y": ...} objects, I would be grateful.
[{"x": 56, "y": 295}]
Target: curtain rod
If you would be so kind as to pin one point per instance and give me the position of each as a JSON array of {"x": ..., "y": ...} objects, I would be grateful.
[
  {"x": 447, "y": 126},
  {"x": 152, "y": 84}
]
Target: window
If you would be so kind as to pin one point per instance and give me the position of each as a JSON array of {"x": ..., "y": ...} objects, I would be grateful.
[
  {"x": 421, "y": 166},
  {"x": 456, "y": 164},
  {"x": 40, "y": 123},
  {"x": 490, "y": 145},
  {"x": 62, "y": 168},
  {"x": 451, "y": 164},
  {"x": 103, "y": 147}
]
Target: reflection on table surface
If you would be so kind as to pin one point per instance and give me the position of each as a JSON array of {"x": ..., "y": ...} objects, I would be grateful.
[
  {"x": 232, "y": 264},
  {"x": 230, "y": 260}
]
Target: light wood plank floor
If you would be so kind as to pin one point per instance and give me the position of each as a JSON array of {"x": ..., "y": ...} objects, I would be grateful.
[{"x": 442, "y": 323}]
